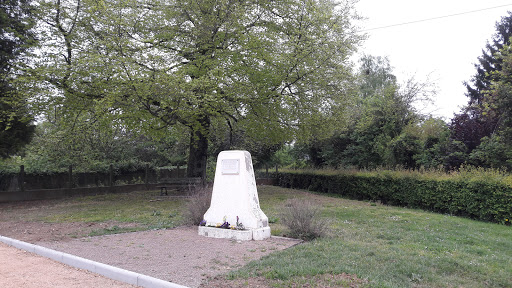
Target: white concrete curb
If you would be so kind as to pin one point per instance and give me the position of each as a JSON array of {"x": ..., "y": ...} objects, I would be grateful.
[{"x": 92, "y": 266}]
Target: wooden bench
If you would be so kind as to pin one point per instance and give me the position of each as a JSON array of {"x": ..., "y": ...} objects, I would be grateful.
[{"x": 177, "y": 183}]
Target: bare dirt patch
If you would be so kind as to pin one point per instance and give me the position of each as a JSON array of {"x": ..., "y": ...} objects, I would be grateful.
[{"x": 177, "y": 255}]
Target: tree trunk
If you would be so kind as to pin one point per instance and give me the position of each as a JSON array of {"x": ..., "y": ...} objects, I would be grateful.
[{"x": 198, "y": 151}]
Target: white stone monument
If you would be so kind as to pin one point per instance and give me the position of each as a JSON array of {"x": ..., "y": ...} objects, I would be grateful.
[{"x": 235, "y": 195}]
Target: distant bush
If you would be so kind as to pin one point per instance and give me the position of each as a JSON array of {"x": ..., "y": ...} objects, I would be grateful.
[
  {"x": 301, "y": 218},
  {"x": 476, "y": 194}
]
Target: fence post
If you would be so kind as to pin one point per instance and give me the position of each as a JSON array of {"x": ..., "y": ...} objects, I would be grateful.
[
  {"x": 277, "y": 171},
  {"x": 70, "y": 177},
  {"x": 146, "y": 175},
  {"x": 111, "y": 176},
  {"x": 21, "y": 178}
]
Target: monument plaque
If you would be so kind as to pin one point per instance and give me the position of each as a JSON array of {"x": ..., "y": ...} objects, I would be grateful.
[
  {"x": 230, "y": 166},
  {"x": 235, "y": 201}
]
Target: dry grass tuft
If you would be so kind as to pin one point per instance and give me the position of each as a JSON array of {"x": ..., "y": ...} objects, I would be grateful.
[
  {"x": 302, "y": 219},
  {"x": 197, "y": 206}
]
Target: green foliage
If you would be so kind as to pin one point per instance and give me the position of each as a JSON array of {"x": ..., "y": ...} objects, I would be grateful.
[
  {"x": 281, "y": 158},
  {"x": 91, "y": 145},
  {"x": 495, "y": 149},
  {"x": 375, "y": 75},
  {"x": 489, "y": 63},
  {"x": 381, "y": 123},
  {"x": 16, "y": 37},
  {"x": 16, "y": 128},
  {"x": 404, "y": 148},
  {"x": 433, "y": 134},
  {"x": 276, "y": 70},
  {"x": 492, "y": 152},
  {"x": 484, "y": 125},
  {"x": 472, "y": 192}
]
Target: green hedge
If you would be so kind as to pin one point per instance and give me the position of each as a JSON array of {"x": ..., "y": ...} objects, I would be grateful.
[{"x": 476, "y": 199}]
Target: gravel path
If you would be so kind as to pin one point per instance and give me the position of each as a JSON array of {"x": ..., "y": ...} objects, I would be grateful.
[
  {"x": 177, "y": 255},
  {"x": 23, "y": 269}
]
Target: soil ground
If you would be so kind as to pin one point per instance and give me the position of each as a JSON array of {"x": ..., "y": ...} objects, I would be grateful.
[{"x": 177, "y": 255}]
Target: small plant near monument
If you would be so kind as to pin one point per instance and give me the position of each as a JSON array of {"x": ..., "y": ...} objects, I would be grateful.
[
  {"x": 197, "y": 206},
  {"x": 301, "y": 218},
  {"x": 239, "y": 225},
  {"x": 272, "y": 219}
]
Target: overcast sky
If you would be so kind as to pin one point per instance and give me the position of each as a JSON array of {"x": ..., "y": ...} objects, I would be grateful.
[{"x": 444, "y": 48}]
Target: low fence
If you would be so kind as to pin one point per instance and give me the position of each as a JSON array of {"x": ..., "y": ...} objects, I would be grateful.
[
  {"x": 44, "y": 194},
  {"x": 34, "y": 181},
  {"x": 25, "y": 186}
]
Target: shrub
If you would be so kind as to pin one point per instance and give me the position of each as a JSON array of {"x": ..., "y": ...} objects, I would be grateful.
[
  {"x": 482, "y": 195},
  {"x": 197, "y": 206},
  {"x": 301, "y": 218}
]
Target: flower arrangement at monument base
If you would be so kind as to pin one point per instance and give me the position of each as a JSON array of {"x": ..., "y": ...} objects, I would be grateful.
[{"x": 226, "y": 225}]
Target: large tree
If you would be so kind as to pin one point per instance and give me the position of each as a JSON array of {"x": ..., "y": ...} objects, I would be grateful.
[
  {"x": 275, "y": 69},
  {"x": 15, "y": 38},
  {"x": 478, "y": 119},
  {"x": 495, "y": 150},
  {"x": 482, "y": 124},
  {"x": 375, "y": 133},
  {"x": 488, "y": 63}
]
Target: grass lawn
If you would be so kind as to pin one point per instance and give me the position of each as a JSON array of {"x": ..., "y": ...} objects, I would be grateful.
[
  {"x": 141, "y": 208},
  {"x": 388, "y": 246}
]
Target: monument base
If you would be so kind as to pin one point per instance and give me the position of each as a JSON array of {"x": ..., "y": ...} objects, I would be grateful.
[{"x": 241, "y": 235}]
